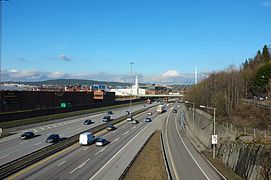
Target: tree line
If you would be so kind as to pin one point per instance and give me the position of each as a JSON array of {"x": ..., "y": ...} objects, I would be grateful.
[{"x": 225, "y": 89}]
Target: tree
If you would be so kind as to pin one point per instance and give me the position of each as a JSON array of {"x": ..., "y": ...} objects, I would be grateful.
[
  {"x": 262, "y": 77},
  {"x": 265, "y": 55}
]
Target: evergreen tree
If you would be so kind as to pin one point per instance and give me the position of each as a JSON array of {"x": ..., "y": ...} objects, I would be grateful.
[{"x": 265, "y": 55}]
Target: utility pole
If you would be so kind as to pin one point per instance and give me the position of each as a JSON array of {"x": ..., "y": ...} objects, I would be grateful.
[{"x": 131, "y": 71}]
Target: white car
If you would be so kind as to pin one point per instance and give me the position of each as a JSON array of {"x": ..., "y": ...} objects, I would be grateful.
[
  {"x": 129, "y": 118},
  {"x": 149, "y": 113}
]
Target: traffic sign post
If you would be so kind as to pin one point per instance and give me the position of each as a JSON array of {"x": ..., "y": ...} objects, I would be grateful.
[{"x": 214, "y": 139}]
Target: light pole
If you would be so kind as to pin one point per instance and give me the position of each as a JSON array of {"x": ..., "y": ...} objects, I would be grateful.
[
  {"x": 188, "y": 102},
  {"x": 131, "y": 71},
  {"x": 214, "y": 109}
]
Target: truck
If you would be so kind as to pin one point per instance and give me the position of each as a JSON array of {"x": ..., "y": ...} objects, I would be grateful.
[
  {"x": 87, "y": 138},
  {"x": 160, "y": 109}
]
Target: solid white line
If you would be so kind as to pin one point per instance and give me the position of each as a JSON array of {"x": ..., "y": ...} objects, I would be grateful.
[
  {"x": 188, "y": 150},
  {"x": 38, "y": 143},
  {"x": 117, "y": 153},
  {"x": 61, "y": 163},
  {"x": 80, "y": 166},
  {"x": 4, "y": 156}
]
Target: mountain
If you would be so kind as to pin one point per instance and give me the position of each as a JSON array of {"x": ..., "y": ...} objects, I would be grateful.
[{"x": 63, "y": 82}]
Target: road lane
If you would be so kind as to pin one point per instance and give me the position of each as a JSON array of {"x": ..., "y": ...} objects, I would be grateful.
[
  {"x": 185, "y": 161},
  {"x": 12, "y": 147},
  {"x": 82, "y": 163}
]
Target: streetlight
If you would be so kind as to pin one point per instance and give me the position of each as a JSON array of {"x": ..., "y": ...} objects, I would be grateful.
[
  {"x": 131, "y": 71},
  {"x": 214, "y": 109},
  {"x": 188, "y": 102}
]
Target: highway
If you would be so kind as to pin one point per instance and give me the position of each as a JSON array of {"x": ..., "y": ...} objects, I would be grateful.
[
  {"x": 92, "y": 162},
  {"x": 184, "y": 161},
  {"x": 12, "y": 147}
]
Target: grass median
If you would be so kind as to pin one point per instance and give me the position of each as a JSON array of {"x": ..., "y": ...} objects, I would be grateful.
[{"x": 149, "y": 164}]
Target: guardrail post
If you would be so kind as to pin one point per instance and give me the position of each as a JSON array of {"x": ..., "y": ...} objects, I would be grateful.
[{"x": 264, "y": 134}]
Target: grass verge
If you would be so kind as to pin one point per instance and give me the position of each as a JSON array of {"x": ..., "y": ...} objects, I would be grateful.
[
  {"x": 27, "y": 121},
  {"x": 223, "y": 168},
  {"x": 149, "y": 164}
]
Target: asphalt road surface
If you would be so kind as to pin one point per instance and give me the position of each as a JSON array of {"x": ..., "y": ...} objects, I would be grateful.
[
  {"x": 184, "y": 161},
  {"x": 12, "y": 147},
  {"x": 92, "y": 162}
]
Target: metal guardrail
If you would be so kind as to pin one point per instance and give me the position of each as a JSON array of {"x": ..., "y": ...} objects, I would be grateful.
[{"x": 27, "y": 160}]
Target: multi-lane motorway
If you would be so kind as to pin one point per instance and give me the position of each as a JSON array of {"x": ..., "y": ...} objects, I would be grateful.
[
  {"x": 12, "y": 147},
  {"x": 92, "y": 162},
  {"x": 184, "y": 161},
  {"x": 110, "y": 161}
]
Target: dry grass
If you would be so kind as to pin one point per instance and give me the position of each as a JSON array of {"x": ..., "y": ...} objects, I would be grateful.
[{"x": 149, "y": 164}]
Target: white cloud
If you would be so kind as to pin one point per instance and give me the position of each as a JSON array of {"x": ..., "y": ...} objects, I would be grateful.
[
  {"x": 168, "y": 77},
  {"x": 266, "y": 3},
  {"x": 64, "y": 58},
  {"x": 171, "y": 74}
]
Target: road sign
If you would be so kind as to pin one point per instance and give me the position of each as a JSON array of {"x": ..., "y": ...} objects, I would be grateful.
[{"x": 214, "y": 139}]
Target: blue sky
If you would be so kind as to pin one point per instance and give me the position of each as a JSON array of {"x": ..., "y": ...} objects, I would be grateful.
[{"x": 96, "y": 39}]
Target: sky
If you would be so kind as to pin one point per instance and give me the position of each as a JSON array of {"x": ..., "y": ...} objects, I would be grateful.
[{"x": 96, "y": 39}]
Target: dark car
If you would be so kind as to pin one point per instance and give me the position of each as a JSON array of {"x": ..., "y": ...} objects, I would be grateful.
[
  {"x": 53, "y": 138},
  {"x": 128, "y": 112},
  {"x": 147, "y": 119},
  {"x": 27, "y": 135},
  {"x": 109, "y": 112},
  {"x": 101, "y": 142},
  {"x": 174, "y": 110},
  {"x": 111, "y": 127},
  {"x": 106, "y": 119},
  {"x": 88, "y": 122}
]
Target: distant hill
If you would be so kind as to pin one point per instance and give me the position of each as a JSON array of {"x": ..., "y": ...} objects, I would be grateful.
[{"x": 63, "y": 82}]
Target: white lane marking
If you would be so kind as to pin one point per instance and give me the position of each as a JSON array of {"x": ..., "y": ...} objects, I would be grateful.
[
  {"x": 133, "y": 127},
  {"x": 97, "y": 172},
  {"x": 80, "y": 166},
  {"x": 188, "y": 150},
  {"x": 55, "y": 125},
  {"x": 4, "y": 156},
  {"x": 48, "y": 127},
  {"x": 61, "y": 163},
  {"x": 116, "y": 140},
  {"x": 125, "y": 133},
  {"x": 35, "y": 131},
  {"x": 42, "y": 128},
  {"x": 85, "y": 148},
  {"x": 23, "y": 142},
  {"x": 100, "y": 151},
  {"x": 38, "y": 143}
]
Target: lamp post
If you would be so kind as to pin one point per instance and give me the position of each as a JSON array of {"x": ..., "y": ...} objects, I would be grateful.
[
  {"x": 214, "y": 109},
  {"x": 131, "y": 71},
  {"x": 188, "y": 102}
]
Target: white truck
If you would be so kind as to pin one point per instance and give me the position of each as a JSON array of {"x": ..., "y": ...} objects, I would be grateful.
[
  {"x": 87, "y": 138},
  {"x": 161, "y": 108}
]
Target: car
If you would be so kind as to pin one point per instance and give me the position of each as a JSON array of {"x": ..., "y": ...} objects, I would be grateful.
[
  {"x": 27, "y": 135},
  {"x": 148, "y": 119},
  {"x": 135, "y": 121},
  {"x": 101, "y": 142},
  {"x": 53, "y": 138},
  {"x": 179, "y": 106},
  {"x": 109, "y": 112},
  {"x": 106, "y": 118},
  {"x": 111, "y": 127},
  {"x": 130, "y": 118},
  {"x": 88, "y": 122},
  {"x": 149, "y": 113},
  {"x": 174, "y": 110},
  {"x": 128, "y": 112}
]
